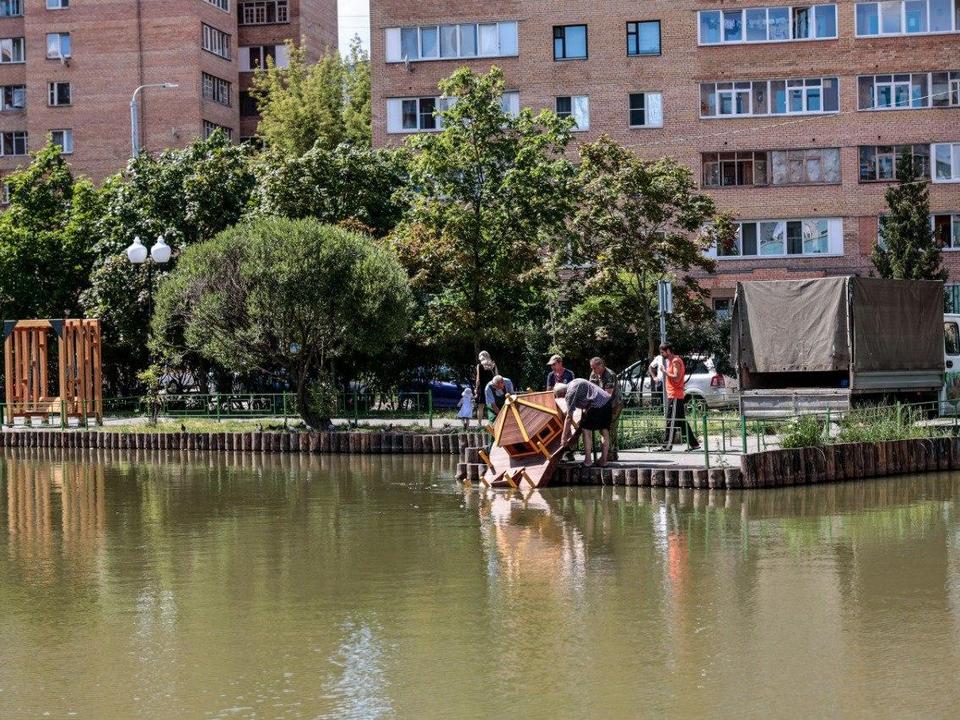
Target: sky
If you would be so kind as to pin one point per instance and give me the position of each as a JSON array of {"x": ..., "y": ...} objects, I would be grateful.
[{"x": 354, "y": 20}]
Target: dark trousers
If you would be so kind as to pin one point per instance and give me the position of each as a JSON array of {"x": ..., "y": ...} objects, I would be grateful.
[{"x": 677, "y": 420}]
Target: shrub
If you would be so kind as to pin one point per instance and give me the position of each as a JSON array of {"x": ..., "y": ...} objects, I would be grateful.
[{"x": 803, "y": 431}]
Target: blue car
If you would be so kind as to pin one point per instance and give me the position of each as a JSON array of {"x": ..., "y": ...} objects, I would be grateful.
[{"x": 446, "y": 394}]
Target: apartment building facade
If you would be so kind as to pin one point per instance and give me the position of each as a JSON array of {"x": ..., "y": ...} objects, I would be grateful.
[
  {"x": 68, "y": 69},
  {"x": 791, "y": 116}
]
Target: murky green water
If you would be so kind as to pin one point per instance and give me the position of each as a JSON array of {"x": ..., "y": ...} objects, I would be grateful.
[{"x": 376, "y": 587}]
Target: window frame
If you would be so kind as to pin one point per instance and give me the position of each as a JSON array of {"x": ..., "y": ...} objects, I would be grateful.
[
  {"x": 805, "y": 85},
  {"x": 223, "y": 5},
  {"x": 53, "y": 92},
  {"x": 61, "y": 36},
  {"x": 953, "y": 233},
  {"x": 646, "y": 110},
  {"x": 638, "y": 23},
  {"x": 952, "y": 91},
  {"x": 586, "y": 42},
  {"x": 895, "y": 156},
  {"x": 954, "y": 163},
  {"x": 67, "y": 135},
  {"x": 790, "y": 18},
  {"x": 211, "y": 32},
  {"x": 572, "y": 113},
  {"x": 217, "y": 87},
  {"x": 497, "y": 24},
  {"x": 208, "y": 127},
  {"x": 20, "y": 4},
  {"x": 253, "y": 6},
  {"x": 955, "y": 21},
  {"x": 833, "y": 224}
]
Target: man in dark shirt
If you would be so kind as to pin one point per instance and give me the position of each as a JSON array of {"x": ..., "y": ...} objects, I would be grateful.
[
  {"x": 558, "y": 373},
  {"x": 606, "y": 378},
  {"x": 597, "y": 405}
]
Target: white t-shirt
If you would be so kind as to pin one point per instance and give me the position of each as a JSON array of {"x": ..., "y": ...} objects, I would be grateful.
[{"x": 657, "y": 364}]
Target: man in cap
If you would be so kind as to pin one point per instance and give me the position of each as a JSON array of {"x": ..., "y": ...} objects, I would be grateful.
[{"x": 558, "y": 373}]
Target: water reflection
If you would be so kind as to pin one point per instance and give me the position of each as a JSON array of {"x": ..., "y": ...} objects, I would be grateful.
[{"x": 184, "y": 584}]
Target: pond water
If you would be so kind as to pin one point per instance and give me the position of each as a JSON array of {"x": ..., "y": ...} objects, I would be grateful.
[{"x": 205, "y": 586}]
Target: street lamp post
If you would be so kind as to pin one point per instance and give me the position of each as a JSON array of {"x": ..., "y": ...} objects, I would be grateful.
[
  {"x": 159, "y": 254},
  {"x": 135, "y": 115}
]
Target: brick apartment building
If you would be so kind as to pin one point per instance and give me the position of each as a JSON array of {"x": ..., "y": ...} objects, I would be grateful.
[
  {"x": 790, "y": 115},
  {"x": 69, "y": 67}
]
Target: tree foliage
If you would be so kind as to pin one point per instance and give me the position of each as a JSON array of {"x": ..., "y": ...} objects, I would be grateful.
[
  {"x": 640, "y": 221},
  {"x": 186, "y": 195},
  {"x": 486, "y": 195},
  {"x": 286, "y": 298},
  {"x": 909, "y": 249},
  {"x": 306, "y": 104},
  {"x": 349, "y": 184},
  {"x": 45, "y": 251}
]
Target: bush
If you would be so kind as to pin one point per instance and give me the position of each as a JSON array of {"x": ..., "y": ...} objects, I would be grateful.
[{"x": 804, "y": 431}]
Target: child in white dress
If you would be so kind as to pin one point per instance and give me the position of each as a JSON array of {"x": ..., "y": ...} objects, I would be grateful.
[{"x": 466, "y": 406}]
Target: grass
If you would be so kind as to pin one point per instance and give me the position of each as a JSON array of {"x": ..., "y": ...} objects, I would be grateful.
[{"x": 206, "y": 425}]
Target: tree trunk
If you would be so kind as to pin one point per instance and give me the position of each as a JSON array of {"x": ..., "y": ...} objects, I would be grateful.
[{"x": 314, "y": 420}]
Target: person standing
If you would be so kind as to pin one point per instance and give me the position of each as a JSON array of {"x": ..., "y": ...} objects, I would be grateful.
[
  {"x": 495, "y": 393},
  {"x": 675, "y": 378},
  {"x": 606, "y": 378},
  {"x": 485, "y": 370},
  {"x": 558, "y": 373},
  {"x": 465, "y": 406},
  {"x": 597, "y": 405},
  {"x": 655, "y": 371}
]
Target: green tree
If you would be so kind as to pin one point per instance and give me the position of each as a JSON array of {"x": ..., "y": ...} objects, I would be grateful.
[
  {"x": 186, "y": 195},
  {"x": 45, "y": 250},
  {"x": 486, "y": 194},
  {"x": 349, "y": 184},
  {"x": 284, "y": 297},
  {"x": 908, "y": 250},
  {"x": 640, "y": 221},
  {"x": 305, "y": 104}
]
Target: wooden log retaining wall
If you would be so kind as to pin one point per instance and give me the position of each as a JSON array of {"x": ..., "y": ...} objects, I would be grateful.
[
  {"x": 850, "y": 461},
  {"x": 347, "y": 442}
]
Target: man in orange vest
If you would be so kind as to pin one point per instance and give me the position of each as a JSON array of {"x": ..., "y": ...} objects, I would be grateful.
[{"x": 674, "y": 372}]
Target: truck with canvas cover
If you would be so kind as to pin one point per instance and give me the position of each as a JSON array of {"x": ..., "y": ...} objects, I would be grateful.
[{"x": 831, "y": 343}]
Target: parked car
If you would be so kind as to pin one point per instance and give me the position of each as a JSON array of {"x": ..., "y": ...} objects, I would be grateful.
[
  {"x": 444, "y": 387},
  {"x": 704, "y": 386}
]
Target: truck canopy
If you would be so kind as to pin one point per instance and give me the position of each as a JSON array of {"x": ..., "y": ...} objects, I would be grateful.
[{"x": 837, "y": 324}]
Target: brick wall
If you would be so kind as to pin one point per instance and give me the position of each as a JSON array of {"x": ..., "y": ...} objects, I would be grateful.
[{"x": 609, "y": 75}]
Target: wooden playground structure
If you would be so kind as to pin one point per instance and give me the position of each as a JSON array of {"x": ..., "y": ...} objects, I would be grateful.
[{"x": 26, "y": 356}]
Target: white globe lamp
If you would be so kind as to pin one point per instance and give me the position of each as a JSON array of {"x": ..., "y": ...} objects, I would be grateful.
[{"x": 137, "y": 252}]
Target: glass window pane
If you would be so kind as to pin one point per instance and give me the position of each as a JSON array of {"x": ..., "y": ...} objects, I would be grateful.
[
  {"x": 868, "y": 19},
  {"x": 760, "y": 106},
  {"x": 940, "y": 16},
  {"x": 813, "y": 100},
  {"x": 429, "y": 46},
  {"x": 581, "y": 111},
  {"x": 756, "y": 22},
  {"x": 448, "y": 41},
  {"x": 508, "y": 38},
  {"x": 408, "y": 44},
  {"x": 815, "y": 236},
  {"x": 428, "y": 120},
  {"x": 890, "y": 16},
  {"x": 650, "y": 38},
  {"x": 826, "y": 21},
  {"x": 918, "y": 90},
  {"x": 488, "y": 39},
  {"x": 831, "y": 95},
  {"x": 710, "y": 27},
  {"x": 773, "y": 238},
  {"x": 868, "y": 164},
  {"x": 732, "y": 25},
  {"x": 576, "y": 41},
  {"x": 940, "y": 89},
  {"x": 468, "y": 40},
  {"x": 796, "y": 100},
  {"x": 749, "y": 238},
  {"x": 916, "y": 16},
  {"x": 708, "y": 100},
  {"x": 637, "y": 112},
  {"x": 778, "y": 97},
  {"x": 778, "y": 23},
  {"x": 564, "y": 106},
  {"x": 795, "y": 238},
  {"x": 802, "y": 27},
  {"x": 632, "y": 39},
  {"x": 409, "y": 115}
]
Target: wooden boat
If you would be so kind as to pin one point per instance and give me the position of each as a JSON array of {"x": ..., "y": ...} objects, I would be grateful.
[{"x": 526, "y": 441}]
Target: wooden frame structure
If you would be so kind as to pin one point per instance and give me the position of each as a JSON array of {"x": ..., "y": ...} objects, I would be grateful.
[{"x": 26, "y": 358}]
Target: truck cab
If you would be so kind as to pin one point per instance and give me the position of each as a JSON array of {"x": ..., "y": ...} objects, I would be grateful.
[{"x": 950, "y": 394}]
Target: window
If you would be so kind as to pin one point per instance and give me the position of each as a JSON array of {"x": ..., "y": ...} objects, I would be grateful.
[
  {"x": 814, "y": 166},
  {"x": 946, "y": 231},
  {"x": 61, "y": 4},
  {"x": 58, "y": 45},
  {"x": 415, "y": 114},
  {"x": 577, "y": 107},
  {"x": 784, "y": 238},
  {"x": 769, "y": 97},
  {"x": 216, "y": 89},
  {"x": 722, "y": 308},
  {"x": 569, "y": 42},
  {"x": 643, "y": 38},
  {"x": 209, "y": 128},
  {"x": 907, "y": 17},
  {"x": 878, "y": 163},
  {"x": 646, "y": 109},
  {"x": 946, "y": 160},
  {"x": 13, "y": 143},
  {"x": 768, "y": 24},
  {"x": 11, "y": 50},
  {"x": 263, "y": 12},
  {"x": 5, "y": 194},
  {"x": 255, "y": 57},
  {"x": 222, "y": 4},
  {"x": 909, "y": 90},
  {"x": 216, "y": 41},
  {"x": 248, "y": 105},
  {"x": 58, "y": 93},
  {"x": 447, "y": 42},
  {"x": 14, "y": 97},
  {"x": 63, "y": 139},
  {"x": 13, "y": 8}
]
